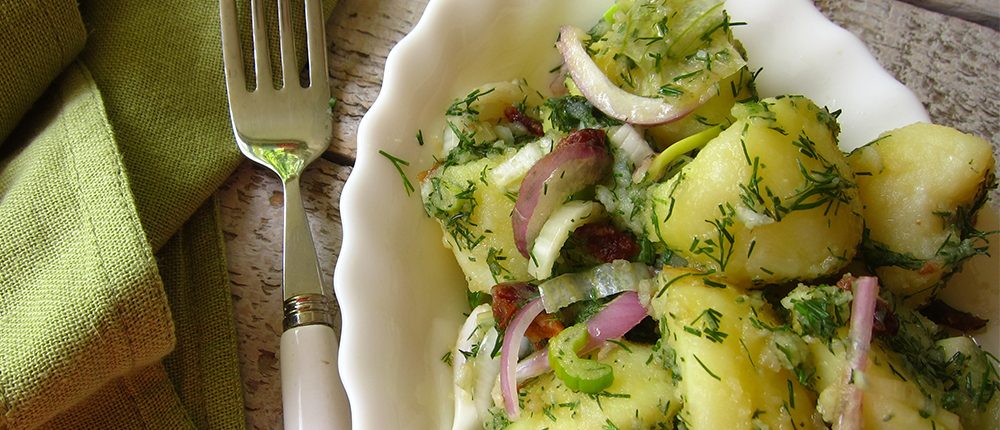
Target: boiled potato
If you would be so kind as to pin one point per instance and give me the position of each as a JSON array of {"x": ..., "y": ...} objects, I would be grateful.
[
  {"x": 890, "y": 397},
  {"x": 921, "y": 185},
  {"x": 642, "y": 396},
  {"x": 732, "y": 374},
  {"x": 472, "y": 205},
  {"x": 487, "y": 103},
  {"x": 662, "y": 49},
  {"x": 474, "y": 214},
  {"x": 771, "y": 199},
  {"x": 978, "y": 393},
  {"x": 898, "y": 387},
  {"x": 477, "y": 124}
]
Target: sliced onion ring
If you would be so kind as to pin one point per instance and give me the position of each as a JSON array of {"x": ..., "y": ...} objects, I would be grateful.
[
  {"x": 859, "y": 337},
  {"x": 580, "y": 160},
  {"x": 508, "y": 354},
  {"x": 605, "y": 95},
  {"x": 632, "y": 143},
  {"x": 597, "y": 282},
  {"x": 616, "y": 319},
  {"x": 533, "y": 365},
  {"x": 473, "y": 382},
  {"x": 619, "y": 316},
  {"x": 556, "y": 230}
]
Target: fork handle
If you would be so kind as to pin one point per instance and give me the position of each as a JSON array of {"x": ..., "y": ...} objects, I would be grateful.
[{"x": 313, "y": 395}]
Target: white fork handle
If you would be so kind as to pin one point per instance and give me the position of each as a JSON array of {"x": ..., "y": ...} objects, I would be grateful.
[{"x": 312, "y": 394}]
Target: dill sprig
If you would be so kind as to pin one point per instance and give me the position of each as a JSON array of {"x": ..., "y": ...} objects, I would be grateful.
[
  {"x": 398, "y": 163},
  {"x": 720, "y": 248},
  {"x": 710, "y": 322},
  {"x": 824, "y": 186},
  {"x": 464, "y": 106}
]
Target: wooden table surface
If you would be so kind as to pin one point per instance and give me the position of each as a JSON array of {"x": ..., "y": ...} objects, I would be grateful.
[{"x": 946, "y": 51}]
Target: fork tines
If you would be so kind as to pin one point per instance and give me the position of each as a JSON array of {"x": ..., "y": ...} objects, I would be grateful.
[{"x": 233, "y": 55}]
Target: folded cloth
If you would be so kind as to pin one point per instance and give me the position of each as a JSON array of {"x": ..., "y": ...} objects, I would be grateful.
[
  {"x": 114, "y": 298},
  {"x": 50, "y": 27}
]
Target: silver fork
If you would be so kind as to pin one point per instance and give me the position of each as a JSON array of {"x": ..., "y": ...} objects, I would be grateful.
[{"x": 286, "y": 129}]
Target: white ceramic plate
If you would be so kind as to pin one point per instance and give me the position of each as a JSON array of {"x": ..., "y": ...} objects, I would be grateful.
[{"x": 401, "y": 293}]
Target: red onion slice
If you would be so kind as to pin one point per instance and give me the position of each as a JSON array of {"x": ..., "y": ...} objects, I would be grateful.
[
  {"x": 508, "y": 354},
  {"x": 533, "y": 365},
  {"x": 859, "y": 338},
  {"x": 617, "y": 318},
  {"x": 605, "y": 95},
  {"x": 579, "y": 161}
]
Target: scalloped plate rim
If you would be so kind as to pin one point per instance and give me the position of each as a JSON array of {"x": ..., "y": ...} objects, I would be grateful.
[{"x": 391, "y": 382}]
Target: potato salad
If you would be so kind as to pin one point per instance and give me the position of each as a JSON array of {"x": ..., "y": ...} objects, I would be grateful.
[{"x": 650, "y": 244}]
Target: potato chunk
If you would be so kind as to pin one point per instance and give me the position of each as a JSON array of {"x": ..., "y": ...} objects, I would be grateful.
[
  {"x": 978, "y": 396},
  {"x": 733, "y": 373},
  {"x": 921, "y": 185},
  {"x": 474, "y": 214},
  {"x": 477, "y": 124},
  {"x": 903, "y": 384},
  {"x": 642, "y": 396},
  {"x": 771, "y": 199},
  {"x": 484, "y": 155},
  {"x": 891, "y": 399}
]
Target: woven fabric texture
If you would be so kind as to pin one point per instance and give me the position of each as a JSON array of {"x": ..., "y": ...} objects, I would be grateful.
[
  {"x": 114, "y": 298},
  {"x": 52, "y": 27}
]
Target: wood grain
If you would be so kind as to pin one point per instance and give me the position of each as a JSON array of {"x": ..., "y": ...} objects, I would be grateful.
[
  {"x": 360, "y": 34},
  {"x": 982, "y": 12},
  {"x": 949, "y": 62}
]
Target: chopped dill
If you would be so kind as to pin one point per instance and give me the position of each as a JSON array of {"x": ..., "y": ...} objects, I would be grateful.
[
  {"x": 464, "y": 106},
  {"x": 398, "y": 163},
  {"x": 707, "y": 370}
]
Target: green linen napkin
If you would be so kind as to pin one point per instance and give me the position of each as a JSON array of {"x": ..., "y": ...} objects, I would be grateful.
[
  {"x": 114, "y": 299},
  {"x": 53, "y": 28}
]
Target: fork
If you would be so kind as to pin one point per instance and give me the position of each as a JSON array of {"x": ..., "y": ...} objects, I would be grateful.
[{"x": 286, "y": 129}]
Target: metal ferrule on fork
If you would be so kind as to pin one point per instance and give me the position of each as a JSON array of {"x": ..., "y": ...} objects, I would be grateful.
[{"x": 307, "y": 309}]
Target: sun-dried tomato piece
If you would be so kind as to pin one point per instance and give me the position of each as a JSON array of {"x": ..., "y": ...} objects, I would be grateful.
[
  {"x": 942, "y": 313},
  {"x": 515, "y": 115},
  {"x": 607, "y": 243},
  {"x": 508, "y": 298},
  {"x": 544, "y": 327},
  {"x": 885, "y": 323},
  {"x": 846, "y": 281},
  {"x": 591, "y": 136}
]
